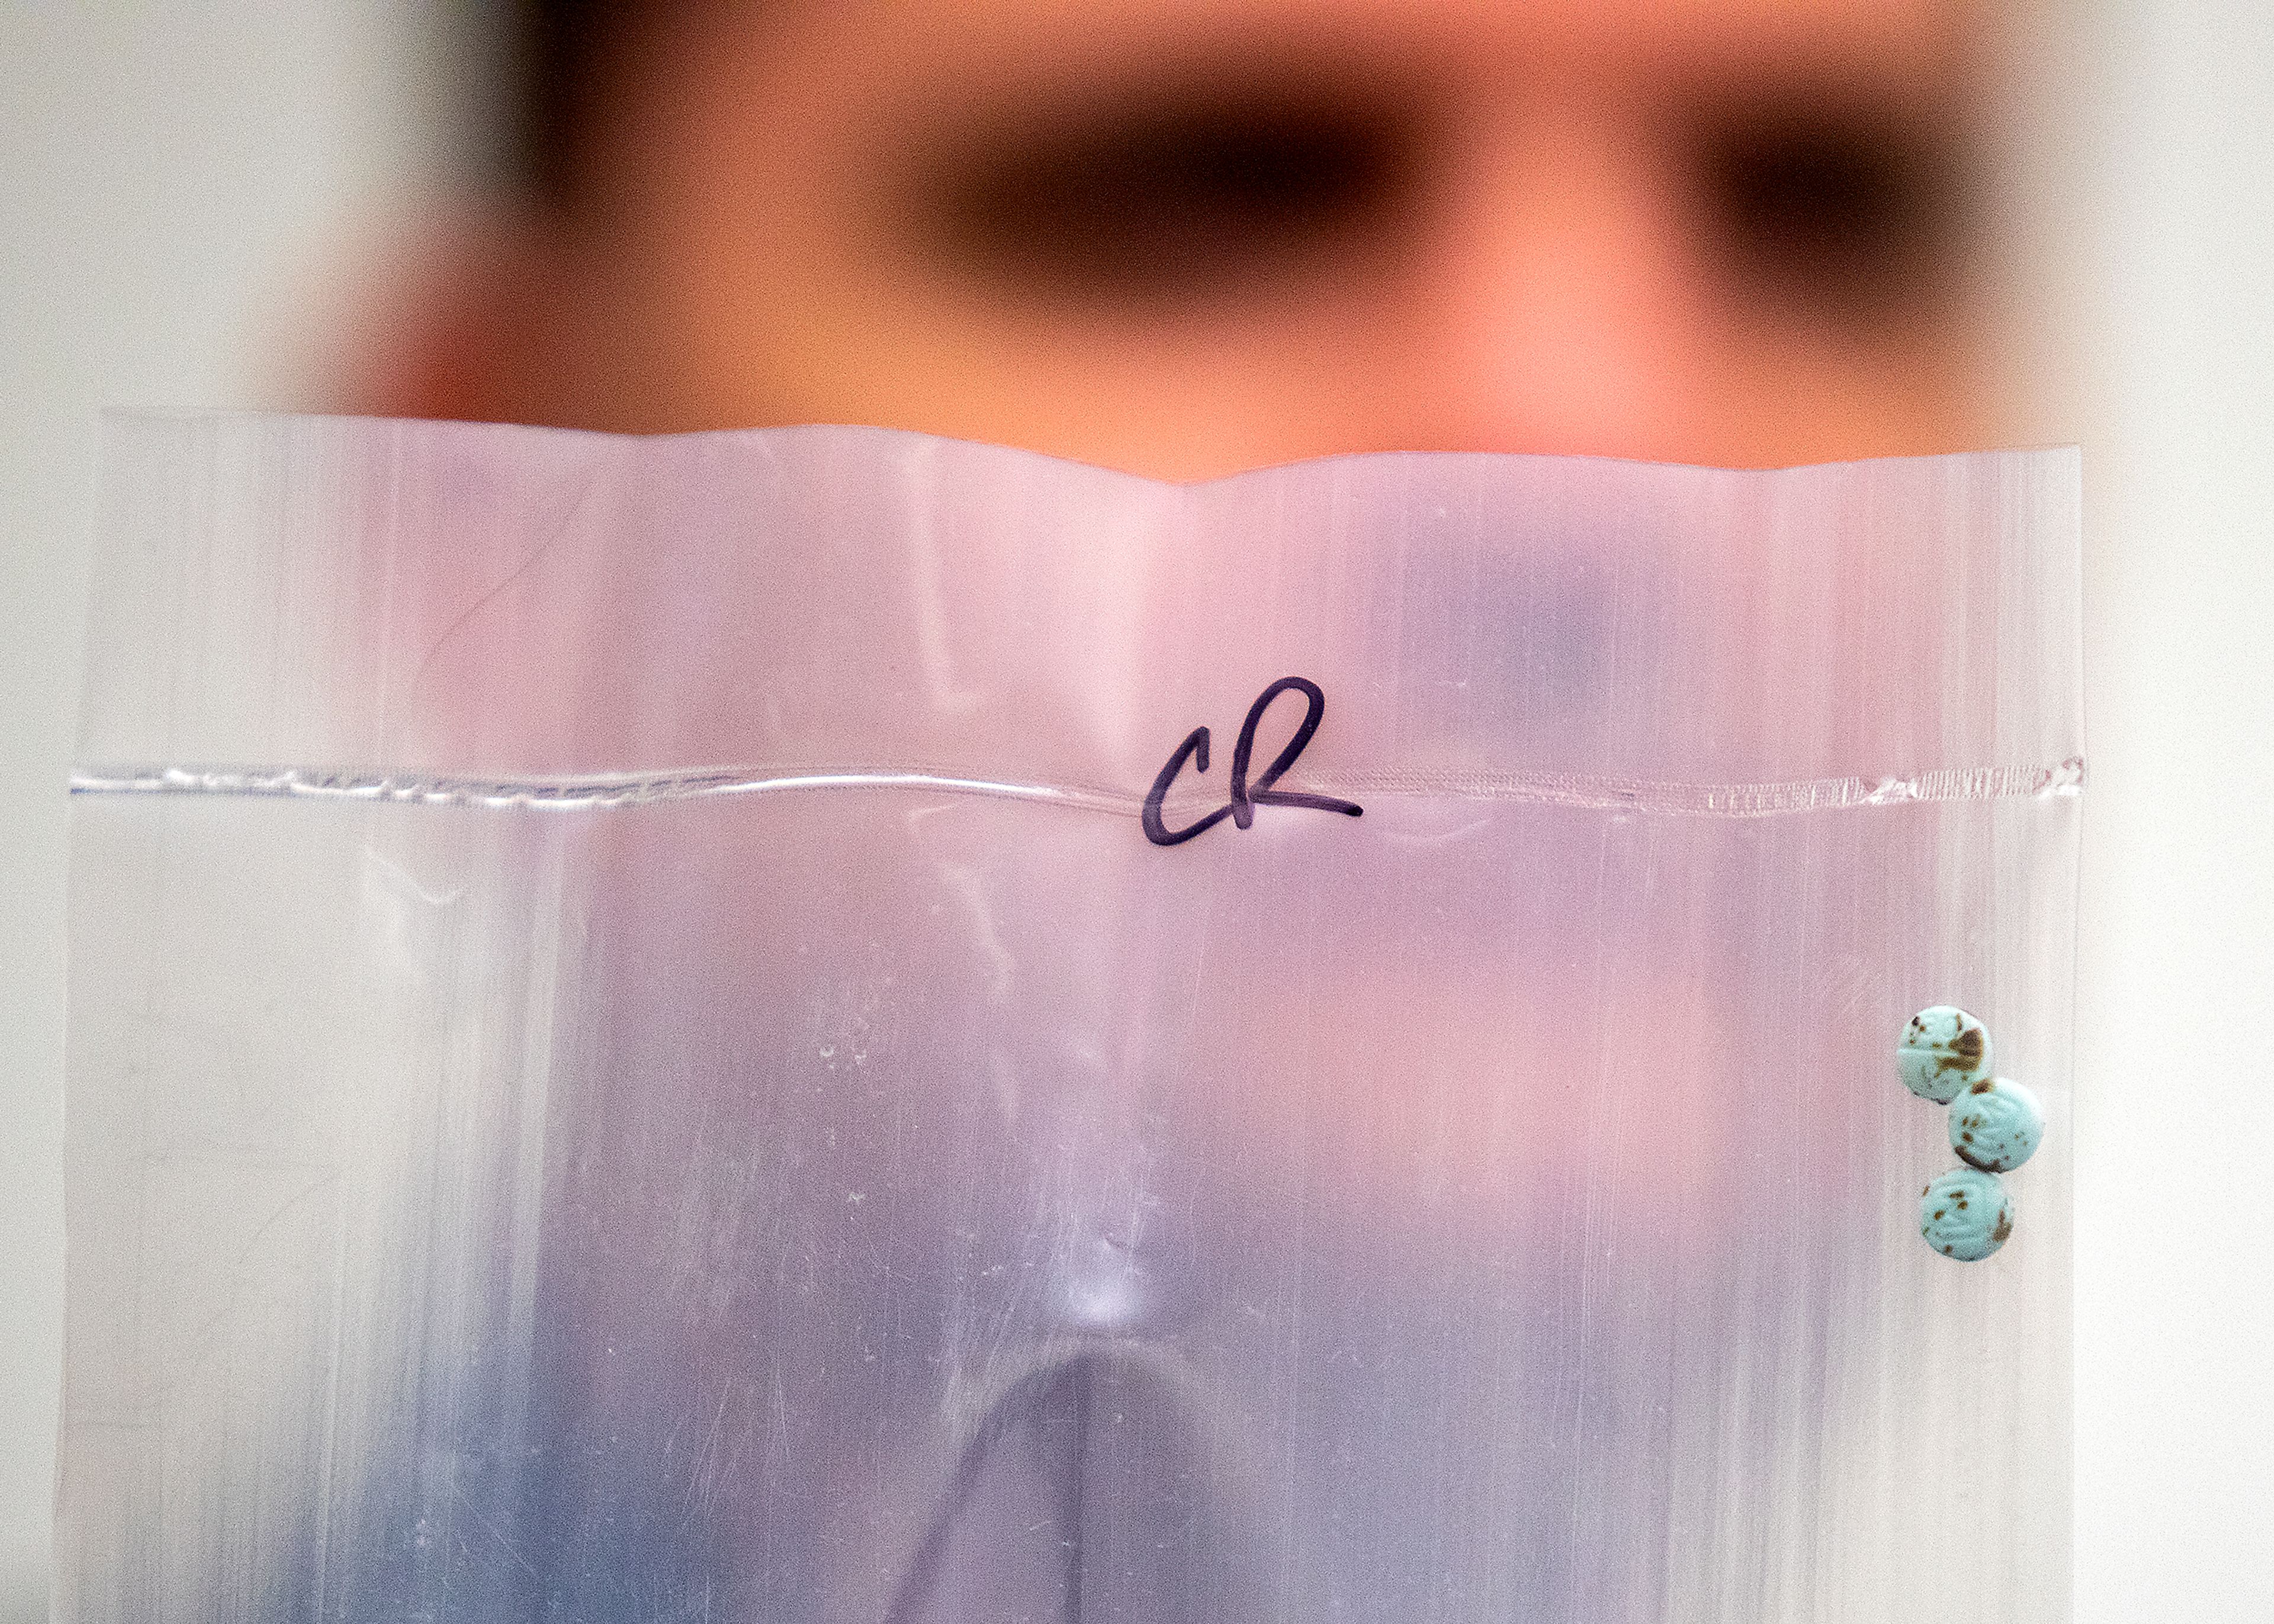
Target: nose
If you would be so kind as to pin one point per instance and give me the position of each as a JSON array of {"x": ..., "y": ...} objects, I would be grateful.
[{"x": 1564, "y": 307}]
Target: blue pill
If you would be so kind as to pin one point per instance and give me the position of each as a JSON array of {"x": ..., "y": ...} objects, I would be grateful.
[
  {"x": 1966, "y": 1215},
  {"x": 1944, "y": 1051},
  {"x": 1995, "y": 1125}
]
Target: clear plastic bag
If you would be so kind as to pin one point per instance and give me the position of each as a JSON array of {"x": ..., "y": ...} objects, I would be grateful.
[{"x": 689, "y": 1028}]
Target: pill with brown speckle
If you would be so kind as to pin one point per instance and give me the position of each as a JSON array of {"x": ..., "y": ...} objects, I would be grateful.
[
  {"x": 1943, "y": 1052},
  {"x": 1996, "y": 1125},
  {"x": 1966, "y": 1215}
]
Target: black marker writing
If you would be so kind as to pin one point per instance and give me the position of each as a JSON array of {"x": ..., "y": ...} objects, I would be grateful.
[{"x": 1241, "y": 808}]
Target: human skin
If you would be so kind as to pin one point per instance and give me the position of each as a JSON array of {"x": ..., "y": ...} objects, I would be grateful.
[
  {"x": 1184, "y": 239},
  {"x": 1197, "y": 236}
]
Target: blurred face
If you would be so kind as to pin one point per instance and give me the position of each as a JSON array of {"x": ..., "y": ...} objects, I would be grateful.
[{"x": 1190, "y": 237}]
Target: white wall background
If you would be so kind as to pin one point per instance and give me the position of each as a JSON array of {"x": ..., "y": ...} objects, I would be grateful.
[
  {"x": 2175, "y": 1130},
  {"x": 172, "y": 173}
]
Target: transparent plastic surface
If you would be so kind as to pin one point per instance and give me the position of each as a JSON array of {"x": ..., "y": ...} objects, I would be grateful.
[{"x": 637, "y": 1051}]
